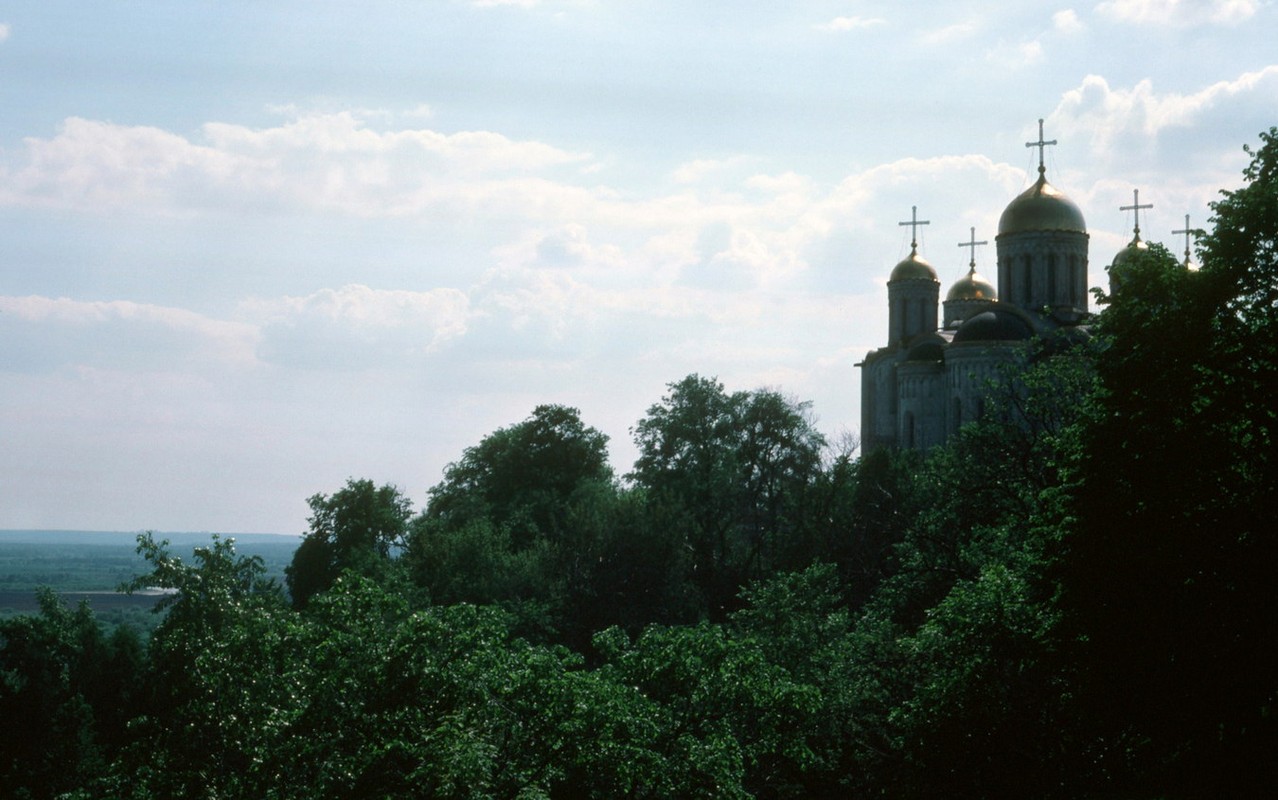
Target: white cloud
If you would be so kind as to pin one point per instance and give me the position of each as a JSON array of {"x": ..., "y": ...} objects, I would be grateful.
[
  {"x": 1021, "y": 54},
  {"x": 356, "y": 327},
  {"x": 42, "y": 333},
  {"x": 698, "y": 170},
  {"x": 839, "y": 24},
  {"x": 948, "y": 34},
  {"x": 331, "y": 162},
  {"x": 1118, "y": 121},
  {"x": 786, "y": 183},
  {"x": 4, "y": 31},
  {"x": 1179, "y": 13},
  {"x": 1067, "y": 21}
]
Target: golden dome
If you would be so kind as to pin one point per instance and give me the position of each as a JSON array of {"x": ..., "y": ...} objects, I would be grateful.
[
  {"x": 1133, "y": 247},
  {"x": 1042, "y": 207},
  {"x": 913, "y": 268},
  {"x": 972, "y": 287}
]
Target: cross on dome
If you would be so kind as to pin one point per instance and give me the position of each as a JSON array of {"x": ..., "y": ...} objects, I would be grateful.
[
  {"x": 1042, "y": 145},
  {"x": 914, "y": 224},
  {"x": 973, "y": 244},
  {"x": 1187, "y": 231},
  {"x": 1136, "y": 207}
]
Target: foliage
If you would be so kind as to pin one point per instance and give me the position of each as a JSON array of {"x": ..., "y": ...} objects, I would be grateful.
[
  {"x": 357, "y": 528},
  {"x": 739, "y": 466},
  {"x": 216, "y": 692},
  {"x": 66, "y": 691},
  {"x": 523, "y": 477},
  {"x": 1169, "y": 575},
  {"x": 502, "y": 526}
]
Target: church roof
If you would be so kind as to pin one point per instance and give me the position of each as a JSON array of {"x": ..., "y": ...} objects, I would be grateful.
[
  {"x": 1000, "y": 323},
  {"x": 1133, "y": 247},
  {"x": 971, "y": 287},
  {"x": 1042, "y": 207},
  {"x": 913, "y": 268},
  {"x": 927, "y": 347}
]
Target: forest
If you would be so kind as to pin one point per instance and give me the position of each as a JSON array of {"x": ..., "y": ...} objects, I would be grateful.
[{"x": 1072, "y": 598}]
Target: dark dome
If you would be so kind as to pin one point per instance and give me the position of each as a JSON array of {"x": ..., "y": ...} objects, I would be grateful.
[
  {"x": 995, "y": 325},
  {"x": 1133, "y": 247},
  {"x": 928, "y": 347},
  {"x": 913, "y": 268},
  {"x": 1042, "y": 207}
]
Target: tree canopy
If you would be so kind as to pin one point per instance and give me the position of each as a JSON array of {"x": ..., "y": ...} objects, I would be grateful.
[{"x": 355, "y": 528}]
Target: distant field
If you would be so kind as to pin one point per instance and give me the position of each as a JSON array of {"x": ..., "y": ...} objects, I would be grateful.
[
  {"x": 24, "y": 602},
  {"x": 92, "y": 564}
]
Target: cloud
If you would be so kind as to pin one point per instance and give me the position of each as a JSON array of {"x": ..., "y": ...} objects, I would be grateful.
[
  {"x": 100, "y": 165},
  {"x": 1067, "y": 21},
  {"x": 4, "y": 31},
  {"x": 39, "y": 334},
  {"x": 950, "y": 33},
  {"x": 695, "y": 171},
  {"x": 840, "y": 24},
  {"x": 329, "y": 162},
  {"x": 1119, "y": 122},
  {"x": 1022, "y": 54},
  {"x": 786, "y": 183},
  {"x": 356, "y": 327},
  {"x": 1179, "y": 13}
]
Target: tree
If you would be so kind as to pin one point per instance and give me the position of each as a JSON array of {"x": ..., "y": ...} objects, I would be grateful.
[
  {"x": 855, "y": 515},
  {"x": 357, "y": 528},
  {"x": 523, "y": 477},
  {"x": 1169, "y": 575},
  {"x": 218, "y": 689},
  {"x": 738, "y": 465},
  {"x": 504, "y": 526},
  {"x": 51, "y": 741}
]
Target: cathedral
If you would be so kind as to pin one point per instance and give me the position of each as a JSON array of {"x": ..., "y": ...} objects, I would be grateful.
[{"x": 941, "y": 358}]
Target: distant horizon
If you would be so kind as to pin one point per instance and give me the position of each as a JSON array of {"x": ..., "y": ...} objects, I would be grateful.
[{"x": 12, "y": 534}]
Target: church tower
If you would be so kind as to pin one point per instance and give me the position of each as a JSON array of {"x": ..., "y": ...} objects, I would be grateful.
[
  {"x": 969, "y": 294},
  {"x": 1042, "y": 248},
  {"x": 913, "y": 290}
]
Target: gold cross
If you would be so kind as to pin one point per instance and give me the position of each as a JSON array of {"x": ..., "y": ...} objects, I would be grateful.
[
  {"x": 972, "y": 243},
  {"x": 1042, "y": 147},
  {"x": 914, "y": 224},
  {"x": 1187, "y": 231},
  {"x": 1136, "y": 206}
]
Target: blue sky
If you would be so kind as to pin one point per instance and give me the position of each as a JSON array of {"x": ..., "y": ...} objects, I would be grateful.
[{"x": 249, "y": 250}]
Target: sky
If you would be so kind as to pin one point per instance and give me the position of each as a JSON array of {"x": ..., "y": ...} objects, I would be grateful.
[{"x": 249, "y": 250}]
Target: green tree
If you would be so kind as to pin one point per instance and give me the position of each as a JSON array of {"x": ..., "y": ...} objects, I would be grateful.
[
  {"x": 56, "y": 688},
  {"x": 739, "y": 465},
  {"x": 856, "y": 514},
  {"x": 506, "y": 523},
  {"x": 523, "y": 477},
  {"x": 218, "y": 692},
  {"x": 358, "y": 527},
  {"x": 1170, "y": 572}
]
